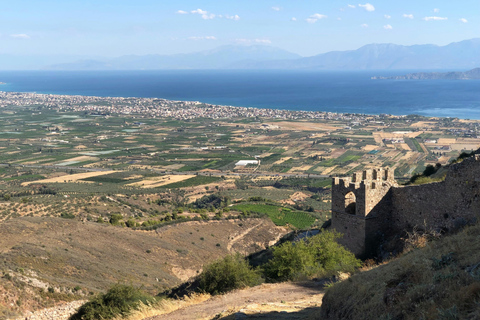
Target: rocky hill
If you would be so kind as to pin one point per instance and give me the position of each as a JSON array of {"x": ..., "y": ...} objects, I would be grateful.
[{"x": 50, "y": 260}]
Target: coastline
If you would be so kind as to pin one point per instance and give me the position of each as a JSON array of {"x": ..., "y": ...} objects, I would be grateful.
[
  {"x": 331, "y": 92},
  {"x": 158, "y": 107}
]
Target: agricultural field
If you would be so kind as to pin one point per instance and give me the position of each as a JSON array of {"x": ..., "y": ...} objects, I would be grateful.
[
  {"x": 93, "y": 165},
  {"x": 280, "y": 216}
]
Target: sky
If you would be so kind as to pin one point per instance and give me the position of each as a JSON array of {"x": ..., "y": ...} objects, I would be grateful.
[{"x": 107, "y": 28}]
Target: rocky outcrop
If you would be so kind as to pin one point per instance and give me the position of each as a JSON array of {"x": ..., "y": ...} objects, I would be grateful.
[
  {"x": 473, "y": 74},
  {"x": 61, "y": 312}
]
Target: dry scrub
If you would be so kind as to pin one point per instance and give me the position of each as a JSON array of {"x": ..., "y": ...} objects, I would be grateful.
[{"x": 440, "y": 281}]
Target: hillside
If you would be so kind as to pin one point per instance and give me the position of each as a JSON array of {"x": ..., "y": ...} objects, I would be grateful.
[
  {"x": 45, "y": 260},
  {"x": 435, "y": 280},
  {"x": 440, "y": 281}
]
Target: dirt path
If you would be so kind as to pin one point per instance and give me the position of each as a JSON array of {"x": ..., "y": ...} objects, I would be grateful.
[
  {"x": 280, "y": 298},
  {"x": 241, "y": 236}
]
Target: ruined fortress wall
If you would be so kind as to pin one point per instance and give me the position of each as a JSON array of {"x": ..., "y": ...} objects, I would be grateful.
[
  {"x": 383, "y": 210},
  {"x": 353, "y": 230},
  {"x": 446, "y": 205}
]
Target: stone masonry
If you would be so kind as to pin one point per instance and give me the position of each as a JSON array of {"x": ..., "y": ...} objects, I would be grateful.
[{"x": 370, "y": 207}]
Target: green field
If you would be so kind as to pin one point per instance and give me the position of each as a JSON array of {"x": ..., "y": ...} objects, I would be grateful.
[{"x": 279, "y": 215}]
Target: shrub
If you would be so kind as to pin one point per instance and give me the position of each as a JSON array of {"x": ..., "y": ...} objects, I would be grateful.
[
  {"x": 229, "y": 273},
  {"x": 115, "y": 219},
  {"x": 118, "y": 301},
  {"x": 66, "y": 215},
  {"x": 319, "y": 255}
]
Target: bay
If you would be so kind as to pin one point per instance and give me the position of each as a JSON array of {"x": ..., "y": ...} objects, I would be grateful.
[{"x": 342, "y": 92}]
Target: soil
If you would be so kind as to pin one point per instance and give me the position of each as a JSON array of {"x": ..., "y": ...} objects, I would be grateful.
[
  {"x": 70, "y": 177},
  {"x": 266, "y": 301},
  {"x": 39, "y": 253}
]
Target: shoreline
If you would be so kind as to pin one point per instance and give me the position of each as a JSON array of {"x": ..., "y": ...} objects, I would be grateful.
[{"x": 236, "y": 111}]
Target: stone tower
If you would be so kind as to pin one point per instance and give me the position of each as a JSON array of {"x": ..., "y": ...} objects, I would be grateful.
[{"x": 357, "y": 202}]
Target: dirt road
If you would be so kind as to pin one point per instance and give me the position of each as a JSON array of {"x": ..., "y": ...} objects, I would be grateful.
[{"x": 279, "y": 299}]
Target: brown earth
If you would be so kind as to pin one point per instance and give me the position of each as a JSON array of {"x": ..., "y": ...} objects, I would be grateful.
[
  {"x": 41, "y": 253},
  {"x": 267, "y": 301}
]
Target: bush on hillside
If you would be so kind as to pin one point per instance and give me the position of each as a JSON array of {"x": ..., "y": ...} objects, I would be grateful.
[
  {"x": 117, "y": 301},
  {"x": 319, "y": 255},
  {"x": 229, "y": 273}
]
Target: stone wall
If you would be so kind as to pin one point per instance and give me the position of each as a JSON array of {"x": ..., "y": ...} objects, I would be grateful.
[{"x": 383, "y": 209}]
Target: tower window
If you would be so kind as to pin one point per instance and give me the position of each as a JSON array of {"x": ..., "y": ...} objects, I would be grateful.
[{"x": 350, "y": 203}]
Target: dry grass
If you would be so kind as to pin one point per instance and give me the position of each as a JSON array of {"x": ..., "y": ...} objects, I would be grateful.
[
  {"x": 70, "y": 177},
  {"x": 165, "y": 306},
  {"x": 160, "y": 181},
  {"x": 303, "y": 126},
  {"x": 439, "y": 281}
]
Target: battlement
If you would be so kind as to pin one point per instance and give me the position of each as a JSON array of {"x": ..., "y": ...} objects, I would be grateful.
[{"x": 368, "y": 175}]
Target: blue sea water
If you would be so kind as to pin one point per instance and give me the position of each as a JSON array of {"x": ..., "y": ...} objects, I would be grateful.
[{"x": 346, "y": 92}]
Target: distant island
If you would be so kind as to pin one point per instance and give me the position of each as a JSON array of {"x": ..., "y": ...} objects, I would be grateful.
[{"x": 468, "y": 75}]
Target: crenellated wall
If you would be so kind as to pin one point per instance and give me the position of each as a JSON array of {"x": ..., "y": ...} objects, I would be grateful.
[{"x": 383, "y": 209}]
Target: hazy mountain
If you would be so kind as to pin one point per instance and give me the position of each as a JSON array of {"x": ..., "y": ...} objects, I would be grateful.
[
  {"x": 220, "y": 58},
  {"x": 35, "y": 62},
  {"x": 458, "y": 55},
  {"x": 473, "y": 74}
]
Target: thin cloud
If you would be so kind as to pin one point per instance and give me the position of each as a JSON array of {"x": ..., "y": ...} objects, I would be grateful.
[
  {"x": 199, "y": 11},
  {"x": 203, "y": 38},
  {"x": 435, "y": 18},
  {"x": 293, "y": 19},
  {"x": 408, "y": 16},
  {"x": 315, "y": 17},
  {"x": 351, "y": 6},
  {"x": 364, "y": 25},
  {"x": 387, "y": 27},
  {"x": 235, "y": 17},
  {"x": 464, "y": 20},
  {"x": 436, "y": 10},
  {"x": 20, "y": 36},
  {"x": 367, "y": 6},
  {"x": 276, "y": 8},
  {"x": 182, "y": 12},
  {"x": 387, "y": 16},
  {"x": 208, "y": 16},
  {"x": 253, "y": 41}
]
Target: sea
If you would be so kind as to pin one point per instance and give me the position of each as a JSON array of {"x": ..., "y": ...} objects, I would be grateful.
[{"x": 341, "y": 92}]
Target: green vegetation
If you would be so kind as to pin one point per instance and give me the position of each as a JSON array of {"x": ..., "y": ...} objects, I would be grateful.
[
  {"x": 229, "y": 273},
  {"x": 279, "y": 215},
  {"x": 118, "y": 301},
  {"x": 318, "y": 256},
  {"x": 429, "y": 175}
]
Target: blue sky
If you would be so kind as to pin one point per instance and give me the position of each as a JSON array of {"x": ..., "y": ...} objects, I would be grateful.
[{"x": 307, "y": 27}]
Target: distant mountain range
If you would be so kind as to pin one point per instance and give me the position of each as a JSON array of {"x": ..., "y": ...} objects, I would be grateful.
[
  {"x": 473, "y": 74},
  {"x": 226, "y": 57},
  {"x": 457, "y": 56}
]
